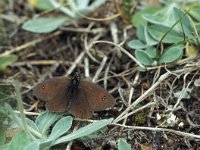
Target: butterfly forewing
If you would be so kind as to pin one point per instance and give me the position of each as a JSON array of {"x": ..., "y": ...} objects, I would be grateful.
[
  {"x": 97, "y": 97},
  {"x": 56, "y": 100}
]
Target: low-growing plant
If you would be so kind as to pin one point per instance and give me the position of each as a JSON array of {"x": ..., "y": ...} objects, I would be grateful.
[
  {"x": 49, "y": 129},
  {"x": 171, "y": 26},
  {"x": 74, "y": 9},
  {"x": 4, "y": 98},
  {"x": 123, "y": 145},
  {"x": 39, "y": 135},
  {"x": 5, "y": 61}
]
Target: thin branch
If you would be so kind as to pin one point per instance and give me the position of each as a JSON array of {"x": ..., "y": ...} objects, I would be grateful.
[{"x": 185, "y": 134}]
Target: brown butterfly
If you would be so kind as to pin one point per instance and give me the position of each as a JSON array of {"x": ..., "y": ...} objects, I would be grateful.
[{"x": 79, "y": 97}]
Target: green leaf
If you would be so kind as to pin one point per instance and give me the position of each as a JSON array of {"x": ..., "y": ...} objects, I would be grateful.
[
  {"x": 138, "y": 20},
  {"x": 136, "y": 44},
  {"x": 4, "y": 96},
  {"x": 45, "y": 144},
  {"x": 19, "y": 141},
  {"x": 94, "y": 5},
  {"x": 39, "y": 145},
  {"x": 162, "y": 17},
  {"x": 32, "y": 124},
  {"x": 170, "y": 55},
  {"x": 194, "y": 12},
  {"x": 185, "y": 24},
  {"x": 61, "y": 127},
  {"x": 66, "y": 10},
  {"x": 152, "y": 52},
  {"x": 13, "y": 115},
  {"x": 148, "y": 38},
  {"x": 45, "y": 120},
  {"x": 4, "y": 92},
  {"x": 143, "y": 57},
  {"x": 4, "y": 147},
  {"x": 144, "y": 36},
  {"x": 154, "y": 19},
  {"x": 82, "y": 4},
  {"x": 35, "y": 145},
  {"x": 123, "y": 145},
  {"x": 95, "y": 135},
  {"x": 44, "y": 25},
  {"x": 84, "y": 131},
  {"x": 7, "y": 60},
  {"x": 43, "y": 5},
  {"x": 169, "y": 16},
  {"x": 2, "y": 138},
  {"x": 158, "y": 31},
  {"x": 140, "y": 33},
  {"x": 140, "y": 69},
  {"x": 83, "y": 7}
]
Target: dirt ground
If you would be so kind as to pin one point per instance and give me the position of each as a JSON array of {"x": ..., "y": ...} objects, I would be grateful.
[{"x": 153, "y": 92}]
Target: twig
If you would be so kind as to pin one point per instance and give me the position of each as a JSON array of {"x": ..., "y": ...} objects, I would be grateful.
[
  {"x": 86, "y": 67},
  {"x": 129, "y": 102},
  {"x": 31, "y": 43},
  {"x": 84, "y": 30},
  {"x": 76, "y": 62},
  {"x": 184, "y": 90},
  {"x": 190, "y": 135},
  {"x": 105, "y": 80},
  {"x": 143, "y": 96},
  {"x": 130, "y": 95},
  {"x": 123, "y": 50},
  {"x": 122, "y": 96},
  {"x": 103, "y": 62},
  {"x": 28, "y": 113},
  {"x": 114, "y": 31},
  {"x": 89, "y": 45},
  {"x": 137, "y": 110},
  {"x": 44, "y": 62}
]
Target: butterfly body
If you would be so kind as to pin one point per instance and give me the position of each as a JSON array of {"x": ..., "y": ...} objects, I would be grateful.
[{"x": 72, "y": 91}]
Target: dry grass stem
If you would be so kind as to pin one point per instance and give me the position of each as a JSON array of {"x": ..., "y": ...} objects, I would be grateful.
[
  {"x": 99, "y": 70},
  {"x": 123, "y": 50},
  {"x": 76, "y": 62},
  {"x": 31, "y": 43},
  {"x": 185, "y": 134},
  {"x": 143, "y": 96}
]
